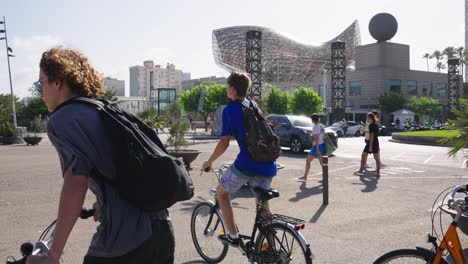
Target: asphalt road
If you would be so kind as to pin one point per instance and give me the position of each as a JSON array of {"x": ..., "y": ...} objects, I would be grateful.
[{"x": 365, "y": 217}]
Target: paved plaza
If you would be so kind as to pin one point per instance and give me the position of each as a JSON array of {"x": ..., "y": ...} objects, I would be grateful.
[{"x": 366, "y": 216}]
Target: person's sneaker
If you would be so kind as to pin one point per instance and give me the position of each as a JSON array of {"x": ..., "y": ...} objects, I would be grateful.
[{"x": 227, "y": 239}]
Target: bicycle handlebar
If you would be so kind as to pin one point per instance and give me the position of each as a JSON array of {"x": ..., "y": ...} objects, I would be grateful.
[{"x": 459, "y": 204}]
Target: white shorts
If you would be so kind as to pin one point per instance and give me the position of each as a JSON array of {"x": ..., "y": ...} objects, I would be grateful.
[{"x": 233, "y": 180}]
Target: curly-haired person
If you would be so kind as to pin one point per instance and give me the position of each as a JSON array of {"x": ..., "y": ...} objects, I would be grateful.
[{"x": 125, "y": 233}]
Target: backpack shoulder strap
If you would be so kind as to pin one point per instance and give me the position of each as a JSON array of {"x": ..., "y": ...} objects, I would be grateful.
[{"x": 83, "y": 100}]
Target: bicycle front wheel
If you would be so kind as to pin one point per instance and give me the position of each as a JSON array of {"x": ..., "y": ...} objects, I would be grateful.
[
  {"x": 279, "y": 244},
  {"x": 407, "y": 256},
  {"x": 205, "y": 227}
]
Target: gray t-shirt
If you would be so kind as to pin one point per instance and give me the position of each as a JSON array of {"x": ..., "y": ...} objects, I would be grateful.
[{"x": 77, "y": 133}]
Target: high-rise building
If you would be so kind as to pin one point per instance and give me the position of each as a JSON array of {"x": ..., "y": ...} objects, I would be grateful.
[
  {"x": 150, "y": 76},
  {"x": 114, "y": 84},
  {"x": 140, "y": 80},
  {"x": 168, "y": 77},
  {"x": 186, "y": 76}
]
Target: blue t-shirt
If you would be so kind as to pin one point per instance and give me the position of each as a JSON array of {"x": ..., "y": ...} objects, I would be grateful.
[{"x": 233, "y": 125}]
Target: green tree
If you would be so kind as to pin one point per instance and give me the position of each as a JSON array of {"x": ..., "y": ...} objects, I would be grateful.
[
  {"x": 459, "y": 142},
  {"x": 392, "y": 102},
  {"x": 178, "y": 127},
  {"x": 109, "y": 94},
  {"x": 215, "y": 96},
  {"x": 33, "y": 107},
  {"x": 305, "y": 101},
  {"x": 438, "y": 56},
  {"x": 276, "y": 101},
  {"x": 427, "y": 57},
  {"x": 6, "y": 114},
  {"x": 424, "y": 106},
  {"x": 449, "y": 52}
]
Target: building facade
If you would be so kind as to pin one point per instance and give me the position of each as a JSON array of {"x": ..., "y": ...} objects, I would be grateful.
[
  {"x": 151, "y": 76},
  {"x": 114, "y": 84},
  {"x": 133, "y": 104},
  {"x": 381, "y": 68},
  {"x": 186, "y": 76},
  {"x": 140, "y": 83},
  {"x": 168, "y": 77}
]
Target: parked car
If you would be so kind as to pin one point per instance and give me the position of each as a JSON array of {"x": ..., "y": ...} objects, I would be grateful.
[
  {"x": 294, "y": 131},
  {"x": 353, "y": 129}
]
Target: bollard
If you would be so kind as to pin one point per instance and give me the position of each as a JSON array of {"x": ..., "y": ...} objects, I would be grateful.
[{"x": 325, "y": 179}]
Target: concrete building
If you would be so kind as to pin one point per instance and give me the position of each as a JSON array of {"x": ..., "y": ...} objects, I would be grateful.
[
  {"x": 186, "y": 76},
  {"x": 140, "y": 79},
  {"x": 133, "y": 104},
  {"x": 168, "y": 77},
  {"x": 188, "y": 85},
  {"x": 381, "y": 68},
  {"x": 114, "y": 84}
]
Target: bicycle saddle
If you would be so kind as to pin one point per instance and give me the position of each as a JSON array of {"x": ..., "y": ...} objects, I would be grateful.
[{"x": 266, "y": 195}]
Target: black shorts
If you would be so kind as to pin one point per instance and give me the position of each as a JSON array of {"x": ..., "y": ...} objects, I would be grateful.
[
  {"x": 375, "y": 147},
  {"x": 159, "y": 248}
]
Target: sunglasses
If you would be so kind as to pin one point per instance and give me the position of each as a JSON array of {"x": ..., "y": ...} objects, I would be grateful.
[{"x": 38, "y": 86}]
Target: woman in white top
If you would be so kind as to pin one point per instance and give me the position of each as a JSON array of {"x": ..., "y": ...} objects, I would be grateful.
[{"x": 318, "y": 145}]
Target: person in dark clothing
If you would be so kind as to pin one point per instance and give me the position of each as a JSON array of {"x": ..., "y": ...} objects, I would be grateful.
[
  {"x": 372, "y": 146},
  {"x": 125, "y": 234}
]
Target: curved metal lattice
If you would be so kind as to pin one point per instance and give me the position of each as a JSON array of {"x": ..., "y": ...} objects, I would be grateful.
[{"x": 284, "y": 61}]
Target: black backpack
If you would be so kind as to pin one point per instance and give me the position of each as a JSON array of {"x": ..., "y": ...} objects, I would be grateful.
[
  {"x": 260, "y": 137},
  {"x": 146, "y": 175}
]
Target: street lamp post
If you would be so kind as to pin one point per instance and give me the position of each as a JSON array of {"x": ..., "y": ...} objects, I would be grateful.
[{"x": 9, "y": 52}]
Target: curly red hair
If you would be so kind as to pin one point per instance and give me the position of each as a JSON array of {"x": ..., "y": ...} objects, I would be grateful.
[{"x": 72, "y": 67}]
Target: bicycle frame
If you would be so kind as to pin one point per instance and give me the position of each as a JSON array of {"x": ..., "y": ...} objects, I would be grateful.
[{"x": 451, "y": 243}]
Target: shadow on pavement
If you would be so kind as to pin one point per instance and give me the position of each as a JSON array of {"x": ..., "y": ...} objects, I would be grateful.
[
  {"x": 317, "y": 215},
  {"x": 369, "y": 180},
  {"x": 194, "y": 262},
  {"x": 305, "y": 192}
]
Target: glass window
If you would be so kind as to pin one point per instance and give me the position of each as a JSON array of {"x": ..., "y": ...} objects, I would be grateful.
[
  {"x": 441, "y": 89},
  {"x": 412, "y": 87},
  {"x": 427, "y": 89},
  {"x": 354, "y": 88},
  {"x": 395, "y": 86}
]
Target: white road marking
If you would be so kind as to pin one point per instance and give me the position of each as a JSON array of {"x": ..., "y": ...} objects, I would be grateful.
[{"x": 428, "y": 159}]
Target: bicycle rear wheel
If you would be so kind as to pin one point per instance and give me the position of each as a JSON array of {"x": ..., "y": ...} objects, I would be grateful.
[
  {"x": 407, "y": 256},
  {"x": 205, "y": 227},
  {"x": 279, "y": 244}
]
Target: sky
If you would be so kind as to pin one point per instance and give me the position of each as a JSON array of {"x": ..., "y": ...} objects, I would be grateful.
[{"x": 117, "y": 34}]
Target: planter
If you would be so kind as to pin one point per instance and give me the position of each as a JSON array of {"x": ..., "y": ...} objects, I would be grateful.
[
  {"x": 32, "y": 140},
  {"x": 8, "y": 140},
  {"x": 187, "y": 155}
]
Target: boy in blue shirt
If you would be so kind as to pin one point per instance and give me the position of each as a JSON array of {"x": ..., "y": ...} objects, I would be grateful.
[{"x": 245, "y": 169}]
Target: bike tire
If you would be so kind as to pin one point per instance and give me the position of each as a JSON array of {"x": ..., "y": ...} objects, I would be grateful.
[
  {"x": 281, "y": 252},
  {"x": 407, "y": 256},
  {"x": 212, "y": 250}
]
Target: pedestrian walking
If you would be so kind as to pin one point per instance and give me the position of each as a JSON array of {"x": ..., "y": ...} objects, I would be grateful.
[
  {"x": 318, "y": 145},
  {"x": 372, "y": 145}
]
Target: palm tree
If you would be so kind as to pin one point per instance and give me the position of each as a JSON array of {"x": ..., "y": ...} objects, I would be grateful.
[
  {"x": 449, "y": 52},
  {"x": 108, "y": 95},
  {"x": 150, "y": 118},
  {"x": 459, "y": 142},
  {"x": 427, "y": 56},
  {"x": 438, "y": 56}
]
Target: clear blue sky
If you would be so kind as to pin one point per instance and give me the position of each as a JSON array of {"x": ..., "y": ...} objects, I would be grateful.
[{"x": 116, "y": 34}]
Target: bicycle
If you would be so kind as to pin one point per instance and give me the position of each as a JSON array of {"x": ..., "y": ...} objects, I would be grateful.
[
  {"x": 274, "y": 239},
  {"x": 449, "y": 244},
  {"x": 42, "y": 245}
]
